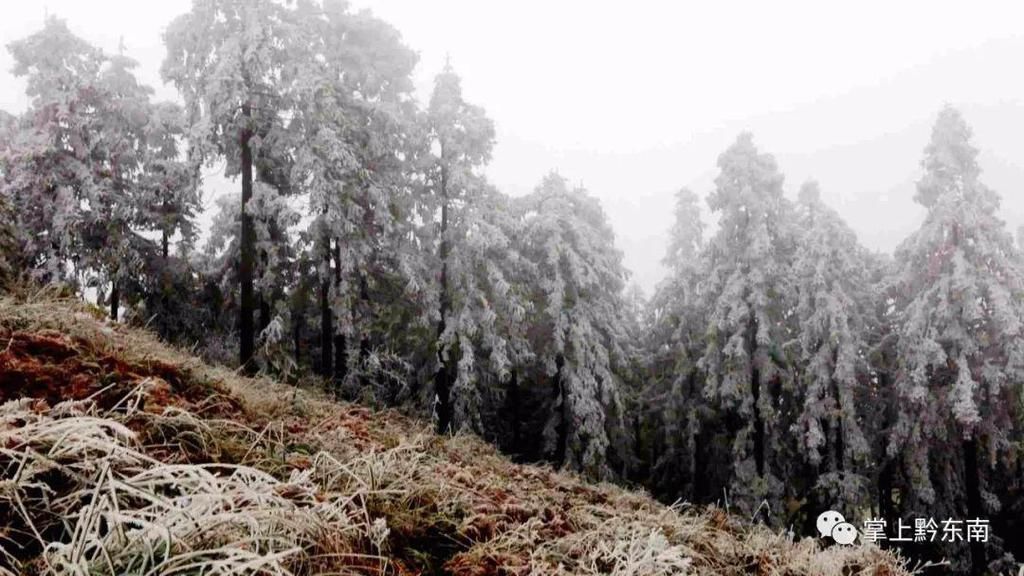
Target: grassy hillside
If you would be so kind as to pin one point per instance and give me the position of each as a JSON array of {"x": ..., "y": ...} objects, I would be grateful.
[{"x": 120, "y": 455}]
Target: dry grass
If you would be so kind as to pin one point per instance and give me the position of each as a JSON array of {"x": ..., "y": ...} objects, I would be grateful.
[{"x": 120, "y": 455}]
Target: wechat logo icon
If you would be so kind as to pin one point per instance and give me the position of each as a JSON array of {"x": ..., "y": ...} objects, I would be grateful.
[{"x": 835, "y": 526}]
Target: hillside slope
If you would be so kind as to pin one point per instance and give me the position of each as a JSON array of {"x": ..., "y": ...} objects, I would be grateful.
[{"x": 120, "y": 455}]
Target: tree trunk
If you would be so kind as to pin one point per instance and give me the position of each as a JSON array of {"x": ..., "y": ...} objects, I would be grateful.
[
  {"x": 973, "y": 485},
  {"x": 115, "y": 300},
  {"x": 693, "y": 443},
  {"x": 886, "y": 474},
  {"x": 885, "y": 480},
  {"x": 442, "y": 379},
  {"x": 297, "y": 338},
  {"x": 839, "y": 448},
  {"x": 265, "y": 307},
  {"x": 699, "y": 476},
  {"x": 512, "y": 410},
  {"x": 247, "y": 339},
  {"x": 364, "y": 337},
  {"x": 326, "y": 320},
  {"x": 562, "y": 449},
  {"x": 265, "y": 313},
  {"x": 755, "y": 391},
  {"x": 340, "y": 346}
]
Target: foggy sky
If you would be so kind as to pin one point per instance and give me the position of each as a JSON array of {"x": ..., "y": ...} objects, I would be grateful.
[{"x": 635, "y": 100}]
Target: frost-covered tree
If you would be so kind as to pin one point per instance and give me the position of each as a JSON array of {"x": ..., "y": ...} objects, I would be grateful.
[
  {"x": 960, "y": 354},
  {"x": 747, "y": 297},
  {"x": 169, "y": 184},
  {"x": 77, "y": 165},
  {"x": 831, "y": 278},
  {"x": 461, "y": 137},
  {"x": 578, "y": 326},
  {"x": 50, "y": 168},
  {"x": 116, "y": 208},
  {"x": 232, "y": 61},
  {"x": 484, "y": 332},
  {"x": 354, "y": 138},
  {"x": 274, "y": 274},
  {"x": 674, "y": 406}
]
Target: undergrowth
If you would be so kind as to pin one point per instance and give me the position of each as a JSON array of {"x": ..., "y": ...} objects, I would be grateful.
[{"x": 120, "y": 455}]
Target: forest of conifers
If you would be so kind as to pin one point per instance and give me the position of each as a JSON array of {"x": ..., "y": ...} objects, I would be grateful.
[{"x": 781, "y": 369}]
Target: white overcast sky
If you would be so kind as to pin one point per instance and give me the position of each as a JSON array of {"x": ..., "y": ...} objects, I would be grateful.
[{"x": 637, "y": 99}]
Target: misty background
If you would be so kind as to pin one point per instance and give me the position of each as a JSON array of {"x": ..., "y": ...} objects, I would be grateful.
[{"x": 637, "y": 101}]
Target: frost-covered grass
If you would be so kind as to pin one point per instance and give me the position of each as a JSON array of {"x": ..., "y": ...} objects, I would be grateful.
[
  {"x": 192, "y": 469},
  {"x": 83, "y": 493}
]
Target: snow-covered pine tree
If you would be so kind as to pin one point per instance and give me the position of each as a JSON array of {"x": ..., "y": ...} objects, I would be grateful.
[
  {"x": 354, "y": 137},
  {"x": 960, "y": 297},
  {"x": 112, "y": 247},
  {"x": 484, "y": 332},
  {"x": 166, "y": 210},
  {"x": 232, "y": 61},
  {"x": 461, "y": 137},
  {"x": 274, "y": 217},
  {"x": 578, "y": 325},
  {"x": 49, "y": 162},
  {"x": 674, "y": 405},
  {"x": 831, "y": 278},
  {"x": 748, "y": 299},
  {"x": 170, "y": 196}
]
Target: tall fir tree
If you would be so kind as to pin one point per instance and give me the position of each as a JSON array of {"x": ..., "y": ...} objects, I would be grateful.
[
  {"x": 487, "y": 284},
  {"x": 748, "y": 302},
  {"x": 50, "y": 161},
  {"x": 233, "y": 63},
  {"x": 355, "y": 139},
  {"x": 579, "y": 327},
  {"x": 831, "y": 277},
  {"x": 674, "y": 406},
  {"x": 960, "y": 352},
  {"x": 115, "y": 211},
  {"x": 461, "y": 137}
]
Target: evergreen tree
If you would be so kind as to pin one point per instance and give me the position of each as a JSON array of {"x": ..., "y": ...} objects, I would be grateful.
[
  {"x": 114, "y": 210},
  {"x": 274, "y": 218},
  {"x": 675, "y": 409},
  {"x": 170, "y": 192},
  {"x": 232, "y": 61},
  {"x": 355, "y": 139},
  {"x": 834, "y": 307},
  {"x": 961, "y": 348},
  {"x": 578, "y": 327},
  {"x": 748, "y": 303},
  {"x": 485, "y": 328},
  {"x": 461, "y": 137},
  {"x": 50, "y": 169}
]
